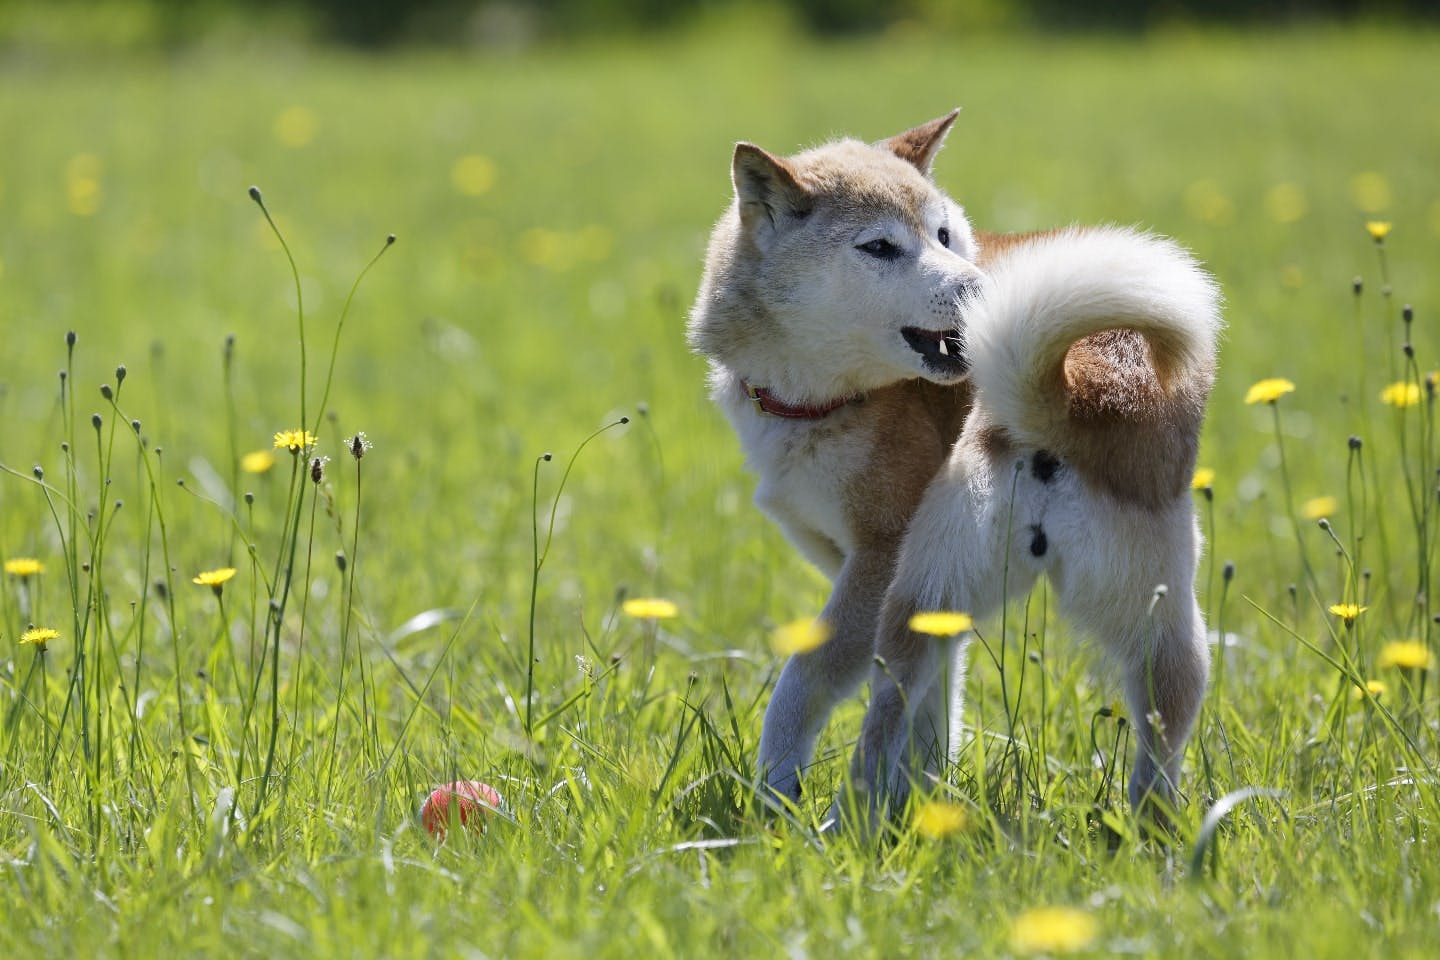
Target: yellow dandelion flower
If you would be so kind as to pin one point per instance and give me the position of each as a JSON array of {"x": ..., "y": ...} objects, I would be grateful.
[
  {"x": 257, "y": 461},
  {"x": 295, "y": 127},
  {"x": 649, "y": 608},
  {"x": 1370, "y": 191},
  {"x": 1401, "y": 394},
  {"x": 1317, "y": 507},
  {"x": 940, "y": 623},
  {"x": 1378, "y": 229},
  {"x": 1269, "y": 390},
  {"x": 1206, "y": 200},
  {"x": 39, "y": 636},
  {"x": 1407, "y": 655},
  {"x": 1376, "y": 689},
  {"x": 82, "y": 184},
  {"x": 937, "y": 819},
  {"x": 800, "y": 636},
  {"x": 1348, "y": 611},
  {"x": 473, "y": 175},
  {"x": 1285, "y": 203},
  {"x": 214, "y": 579},
  {"x": 1053, "y": 930},
  {"x": 24, "y": 567},
  {"x": 294, "y": 440},
  {"x": 1204, "y": 477}
]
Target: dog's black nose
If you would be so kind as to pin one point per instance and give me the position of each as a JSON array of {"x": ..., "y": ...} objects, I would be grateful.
[{"x": 967, "y": 289}]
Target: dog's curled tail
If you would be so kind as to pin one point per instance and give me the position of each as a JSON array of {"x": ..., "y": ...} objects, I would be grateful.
[{"x": 1046, "y": 294}]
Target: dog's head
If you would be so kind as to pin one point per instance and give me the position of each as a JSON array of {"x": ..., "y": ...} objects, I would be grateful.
[{"x": 840, "y": 269}]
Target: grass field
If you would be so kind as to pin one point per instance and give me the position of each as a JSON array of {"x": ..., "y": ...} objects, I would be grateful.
[{"x": 184, "y": 773}]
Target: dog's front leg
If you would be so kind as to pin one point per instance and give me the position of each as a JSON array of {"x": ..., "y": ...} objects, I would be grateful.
[
  {"x": 956, "y": 557},
  {"x": 906, "y": 728},
  {"x": 811, "y": 684}
]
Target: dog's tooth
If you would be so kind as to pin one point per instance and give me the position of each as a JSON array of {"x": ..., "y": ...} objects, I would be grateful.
[{"x": 944, "y": 350}]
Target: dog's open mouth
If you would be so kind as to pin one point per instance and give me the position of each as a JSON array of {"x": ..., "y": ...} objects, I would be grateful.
[{"x": 942, "y": 350}]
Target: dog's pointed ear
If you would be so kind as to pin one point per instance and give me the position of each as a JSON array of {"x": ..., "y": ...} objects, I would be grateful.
[
  {"x": 919, "y": 145},
  {"x": 767, "y": 190}
]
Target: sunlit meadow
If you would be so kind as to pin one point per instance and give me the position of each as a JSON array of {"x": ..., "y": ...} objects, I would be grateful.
[{"x": 298, "y": 523}]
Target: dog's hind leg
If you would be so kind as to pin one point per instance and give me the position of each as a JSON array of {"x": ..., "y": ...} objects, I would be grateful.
[
  {"x": 1131, "y": 583},
  {"x": 1164, "y": 687},
  {"x": 811, "y": 684}
]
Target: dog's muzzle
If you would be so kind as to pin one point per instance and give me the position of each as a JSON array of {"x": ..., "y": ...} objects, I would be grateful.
[{"x": 943, "y": 351}]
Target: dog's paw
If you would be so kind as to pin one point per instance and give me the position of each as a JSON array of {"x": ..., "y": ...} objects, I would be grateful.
[
  {"x": 860, "y": 811},
  {"x": 779, "y": 794}
]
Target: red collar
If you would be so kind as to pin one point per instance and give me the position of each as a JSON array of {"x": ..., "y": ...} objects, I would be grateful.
[{"x": 767, "y": 402}]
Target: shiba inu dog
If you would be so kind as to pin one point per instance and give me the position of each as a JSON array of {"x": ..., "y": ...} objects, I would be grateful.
[
  {"x": 830, "y": 312},
  {"x": 834, "y": 309},
  {"x": 1091, "y": 354}
]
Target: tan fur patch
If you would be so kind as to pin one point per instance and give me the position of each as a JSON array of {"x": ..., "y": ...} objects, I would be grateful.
[
  {"x": 1132, "y": 437},
  {"x": 911, "y": 427},
  {"x": 994, "y": 245}
]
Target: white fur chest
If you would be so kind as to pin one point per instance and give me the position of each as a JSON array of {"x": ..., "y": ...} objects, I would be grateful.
[{"x": 804, "y": 469}]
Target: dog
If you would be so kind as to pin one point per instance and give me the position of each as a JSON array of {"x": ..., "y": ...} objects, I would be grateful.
[
  {"x": 829, "y": 310},
  {"x": 832, "y": 310},
  {"x": 1091, "y": 356}
]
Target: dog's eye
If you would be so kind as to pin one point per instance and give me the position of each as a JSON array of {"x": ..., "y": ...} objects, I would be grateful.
[
  {"x": 881, "y": 249},
  {"x": 944, "y": 236}
]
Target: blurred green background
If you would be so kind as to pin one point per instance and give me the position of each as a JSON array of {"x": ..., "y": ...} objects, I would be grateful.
[
  {"x": 552, "y": 171},
  {"x": 552, "y": 201}
]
